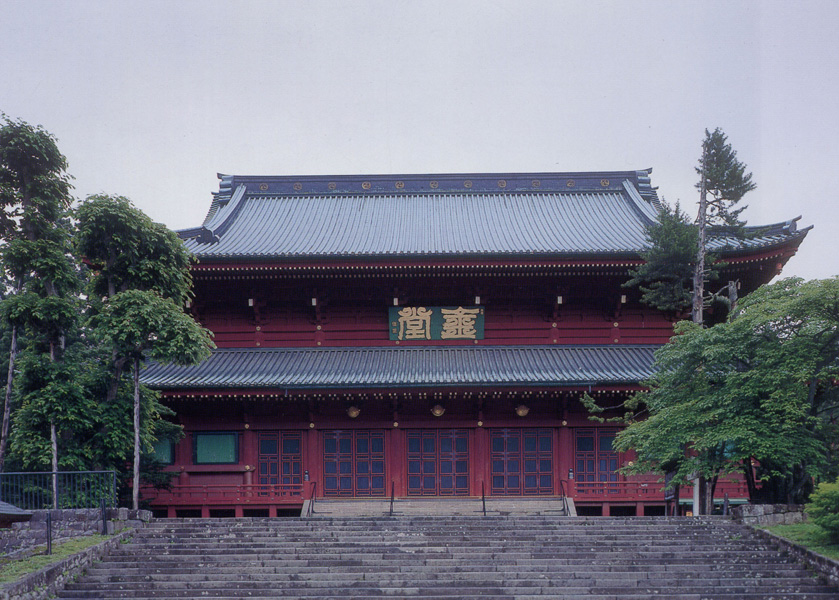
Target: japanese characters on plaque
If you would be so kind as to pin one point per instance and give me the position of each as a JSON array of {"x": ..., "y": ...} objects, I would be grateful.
[{"x": 419, "y": 323}]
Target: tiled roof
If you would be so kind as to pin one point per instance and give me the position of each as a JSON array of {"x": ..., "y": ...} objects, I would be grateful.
[
  {"x": 307, "y": 368},
  {"x": 480, "y": 215}
]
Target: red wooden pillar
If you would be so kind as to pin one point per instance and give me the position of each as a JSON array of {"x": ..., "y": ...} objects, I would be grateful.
[
  {"x": 565, "y": 458},
  {"x": 479, "y": 459},
  {"x": 311, "y": 459},
  {"x": 396, "y": 451}
]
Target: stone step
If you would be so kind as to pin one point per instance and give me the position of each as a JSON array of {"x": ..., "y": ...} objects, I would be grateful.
[
  {"x": 552, "y": 505},
  {"x": 685, "y": 569},
  {"x": 553, "y": 596},
  {"x": 460, "y": 591},
  {"x": 516, "y": 557},
  {"x": 592, "y": 577}
]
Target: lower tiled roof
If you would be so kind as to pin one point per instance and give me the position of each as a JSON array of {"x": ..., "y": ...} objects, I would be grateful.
[{"x": 308, "y": 368}]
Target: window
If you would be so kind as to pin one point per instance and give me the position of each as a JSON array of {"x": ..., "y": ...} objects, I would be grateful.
[
  {"x": 164, "y": 451},
  {"x": 218, "y": 448},
  {"x": 596, "y": 459}
]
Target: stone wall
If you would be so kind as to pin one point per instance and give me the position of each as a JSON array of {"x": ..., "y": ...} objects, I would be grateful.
[
  {"x": 23, "y": 537},
  {"x": 767, "y": 515},
  {"x": 827, "y": 568},
  {"x": 45, "y": 583}
]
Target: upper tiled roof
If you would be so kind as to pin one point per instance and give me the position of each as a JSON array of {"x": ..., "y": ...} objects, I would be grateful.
[
  {"x": 481, "y": 215},
  {"x": 305, "y": 368}
]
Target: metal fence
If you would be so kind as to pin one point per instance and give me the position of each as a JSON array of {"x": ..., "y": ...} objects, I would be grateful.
[{"x": 62, "y": 489}]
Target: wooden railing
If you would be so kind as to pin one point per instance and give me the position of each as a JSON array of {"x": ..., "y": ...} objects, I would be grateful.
[
  {"x": 228, "y": 494},
  {"x": 644, "y": 490}
]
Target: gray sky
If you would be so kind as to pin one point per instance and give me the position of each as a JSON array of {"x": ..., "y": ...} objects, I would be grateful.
[{"x": 151, "y": 99}]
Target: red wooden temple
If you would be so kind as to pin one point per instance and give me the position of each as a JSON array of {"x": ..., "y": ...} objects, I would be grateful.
[{"x": 422, "y": 335}]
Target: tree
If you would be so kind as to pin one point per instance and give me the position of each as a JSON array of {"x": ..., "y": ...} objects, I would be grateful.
[
  {"x": 142, "y": 276},
  {"x": 140, "y": 324},
  {"x": 666, "y": 275},
  {"x": 34, "y": 196},
  {"x": 756, "y": 394},
  {"x": 724, "y": 178}
]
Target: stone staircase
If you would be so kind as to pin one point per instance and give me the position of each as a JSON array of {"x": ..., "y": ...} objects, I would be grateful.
[
  {"x": 449, "y": 557},
  {"x": 414, "y": 507}
]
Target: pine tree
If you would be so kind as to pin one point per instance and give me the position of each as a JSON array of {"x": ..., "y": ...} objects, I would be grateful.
[
  {"x": 665, "y": 277},
  {"x": 724, "y": 179}
]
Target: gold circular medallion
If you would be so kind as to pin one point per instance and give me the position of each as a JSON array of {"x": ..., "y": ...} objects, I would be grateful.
[
  {"x": 366, "y": 185},
  {"x": 332, "y": 185},
  {"x": 434, "y": 185},
  {"x": 298, "y": 187},
  {"x": 467, "y": 183},
  {"x": 570, "y": 183},
  {"x": 263, "y": 187},
  {"x": 400, "y": 185},
  {"x": 502, "y": 183},
  {"x": 604, "y": 182}
]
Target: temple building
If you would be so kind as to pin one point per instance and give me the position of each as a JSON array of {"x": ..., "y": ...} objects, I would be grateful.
[{"x": 422, "y": 335}]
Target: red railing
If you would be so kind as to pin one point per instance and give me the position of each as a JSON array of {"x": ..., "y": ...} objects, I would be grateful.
[
  {"x": 645, "y": 490},
  {"x": 228, "y": 494},
  {"x": 616, "y": 490}
]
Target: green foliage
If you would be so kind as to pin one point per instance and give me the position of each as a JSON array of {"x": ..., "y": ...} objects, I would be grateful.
[
  {"x": 142, "y": 277},
  {"x": 139, "y": 324},
  {"x": 760, "y": 387},
  {"x": 666, "y": 277},
  {"x": 71, "y": 373},
  {"x": 128, "y": 250},
  {"x": 823, "y": 508},
  {"x": 726, "y": 180},
  {"x": 34, "y": 185},
  {"x": 35, "y": 195}
]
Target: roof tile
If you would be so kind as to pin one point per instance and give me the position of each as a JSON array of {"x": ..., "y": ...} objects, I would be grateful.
[{"x": 408, "y": 367}]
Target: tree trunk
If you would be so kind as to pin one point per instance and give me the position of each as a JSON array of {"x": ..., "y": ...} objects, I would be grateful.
[
  {"x": 709, "y": 500},
  {"x": 7, "y": 406},
  {"x": 54, "y": 443},
  {"x": 135, "y": 492},
  {"x": 749, "y": 474},
  {"x": 699, "y": 269},
  {"x": 113, "y": 386},
  {"x": 699, "y": 288}
]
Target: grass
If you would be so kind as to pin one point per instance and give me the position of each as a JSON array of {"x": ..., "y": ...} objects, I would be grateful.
[
  {"x": 809, "y": 535},
  {"x": 14, "y": 570}
]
